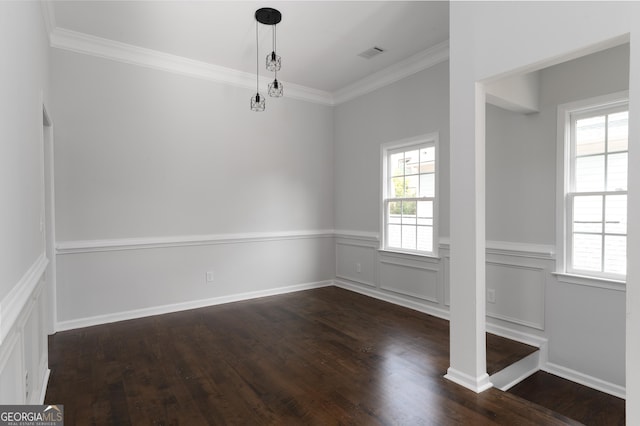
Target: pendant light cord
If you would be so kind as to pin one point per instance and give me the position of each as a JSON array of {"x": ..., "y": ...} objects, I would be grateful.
[
  {"x": 257, "y": 60},
  {"x": 274, "y": 50}
]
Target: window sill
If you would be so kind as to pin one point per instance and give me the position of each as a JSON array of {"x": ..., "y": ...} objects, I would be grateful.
[
  {"x": 409, "y": 255},
  {"x": 605, "y": 283}
]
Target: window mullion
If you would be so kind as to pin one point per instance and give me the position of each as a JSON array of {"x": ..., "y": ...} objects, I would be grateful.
[
  {"x": 401, "y": 223},
  {"x": 606, "y": 152},
  {"x": 604, "y": 210},
  {"x": 569, "y": 224}
]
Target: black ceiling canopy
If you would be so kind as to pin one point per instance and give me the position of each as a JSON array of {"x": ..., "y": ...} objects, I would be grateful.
[{"x": 268, "y": 16}]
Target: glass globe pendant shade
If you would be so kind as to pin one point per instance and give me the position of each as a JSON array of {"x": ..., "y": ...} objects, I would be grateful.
[
  {"x": 275, "y": 89},
  {"x": 257, "y": 103},
  {"x": 274, "y": 62}
]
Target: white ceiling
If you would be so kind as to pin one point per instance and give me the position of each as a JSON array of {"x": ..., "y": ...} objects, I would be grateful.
[{"x": 318, "y": 40}]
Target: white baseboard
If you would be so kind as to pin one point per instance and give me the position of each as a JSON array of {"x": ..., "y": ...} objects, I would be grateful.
[
  {"x": 476, "y": 384},
  {"x": 396, "y": 300},
  {"x": 45, "y": 383},
  {"x": 176, "y": 307},
  {"x": 583, "y": 379}
]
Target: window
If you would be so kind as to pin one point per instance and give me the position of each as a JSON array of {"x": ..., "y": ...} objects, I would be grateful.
[
  {"x": 595, "y": 201},
  {"x": 409, "y": 187}
]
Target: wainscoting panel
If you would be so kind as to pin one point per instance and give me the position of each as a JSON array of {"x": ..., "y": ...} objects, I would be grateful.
[
  {"x": 23, "y": 350},
  {"x": 519, "y": 293},
  {"x": 11, "y": 370},
  {"x": 356, "y": 262},
  {"x": 114, "y": 280},
  {"x": 414, "y": 278}
]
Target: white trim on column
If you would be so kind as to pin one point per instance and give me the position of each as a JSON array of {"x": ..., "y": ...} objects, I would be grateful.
[{"x": 476, "y": 384}]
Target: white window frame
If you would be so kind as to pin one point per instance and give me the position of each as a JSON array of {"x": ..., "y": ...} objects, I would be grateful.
[
  {"x": 386, "y": 149},
  {"x": 564, "y": 186}
]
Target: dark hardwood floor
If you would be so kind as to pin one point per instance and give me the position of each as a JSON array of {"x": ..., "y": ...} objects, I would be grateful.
[
  {"x": 325, "y": 356},
  {"x": 502, "y": 352},
  {"x": 587, "y": 405}
]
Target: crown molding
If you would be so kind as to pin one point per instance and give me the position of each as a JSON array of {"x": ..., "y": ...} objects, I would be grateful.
[
  {"x": 78, "y": 42},
  {"x": 62, "y": 38},
  {"x": 416, "y": 63}
]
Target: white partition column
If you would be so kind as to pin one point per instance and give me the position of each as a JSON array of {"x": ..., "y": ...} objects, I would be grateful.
[
  {"x": 467, "y": 274},
  {"x": 633, "y": 242}
]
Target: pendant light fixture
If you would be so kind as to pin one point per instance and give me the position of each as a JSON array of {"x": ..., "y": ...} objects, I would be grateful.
[
  {"x": 268, "y": 16},
  {"x": 274, "y": 62},
  {"x": 257, "y": 101}
]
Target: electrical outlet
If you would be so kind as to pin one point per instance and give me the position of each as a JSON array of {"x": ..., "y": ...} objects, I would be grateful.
[
  {"x": 491, "y": 295},
  {"x": 358, "y": 268},
  {"x": 210, "y": 276}
]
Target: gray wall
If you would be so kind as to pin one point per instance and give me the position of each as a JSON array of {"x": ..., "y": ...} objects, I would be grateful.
[
  {"x": 410, "y": 107},
  {"x": 585, "y": 325},
  {"x": 24, "y": 84},
  {"x": 521, "y": 149},
  {"x": 24, "y": 80},
  {"x": 144, "y": 155}
]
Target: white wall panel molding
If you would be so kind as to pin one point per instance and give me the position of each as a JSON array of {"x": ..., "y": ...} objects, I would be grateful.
[
  {"x": 11, "y": 371},
  {"x": 17, "y": 299},
  {"x": 519, "y": 291},
  {"x": 416, "y": 305},
  {"x": 74, "y": 41},
  {"x": 88, "y": 246},
  {"x": 507, "y": 248},
  {"x": 410, "y": 275},
  {"x": 591, "y": 281},
  {"x": 584, "y": 379},
  {"x": 372, "y": 238},
  {"x": 194, "y": 304},
  {"x": 356, "y": 261},
  {"x": 410, "y": 260},
  {"x": 416, "y": 63},
  {"x": 413, "y": 281}
]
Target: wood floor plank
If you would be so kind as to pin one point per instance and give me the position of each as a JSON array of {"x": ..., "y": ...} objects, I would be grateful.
[
  {"x": 589, "y": 406},
  {"x": 325, "y": 356}
]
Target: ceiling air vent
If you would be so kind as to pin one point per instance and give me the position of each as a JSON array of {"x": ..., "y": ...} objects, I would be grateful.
[{"x": 370, "y": 53}]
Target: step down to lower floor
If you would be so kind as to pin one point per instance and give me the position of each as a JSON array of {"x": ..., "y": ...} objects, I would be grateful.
[
  {"x": 516, "y": 372},
  {"x": 509, "y": 362}
]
